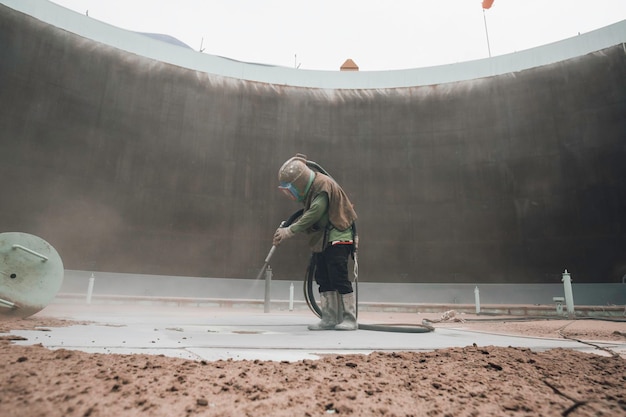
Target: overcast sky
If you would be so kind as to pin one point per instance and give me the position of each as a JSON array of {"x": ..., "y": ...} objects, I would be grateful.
[{"x": 377, "y": 35}]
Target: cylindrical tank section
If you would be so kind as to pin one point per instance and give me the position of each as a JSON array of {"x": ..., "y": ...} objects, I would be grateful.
[
  {"x": 137, "y": 166},
  {"x": 31, "y": 274}
]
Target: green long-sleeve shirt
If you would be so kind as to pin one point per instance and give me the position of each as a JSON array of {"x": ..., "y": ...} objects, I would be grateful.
[{"x": 315, "y": 219}]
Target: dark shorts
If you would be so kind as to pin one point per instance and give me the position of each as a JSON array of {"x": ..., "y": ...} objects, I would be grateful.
[{"x": 331, "y": 269}]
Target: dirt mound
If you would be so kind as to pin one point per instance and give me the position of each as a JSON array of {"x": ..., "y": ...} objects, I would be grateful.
[{"x": 469, "y": 381}]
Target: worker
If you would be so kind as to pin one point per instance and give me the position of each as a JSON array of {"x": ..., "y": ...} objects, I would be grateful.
[{"x": 328, "y": 218}]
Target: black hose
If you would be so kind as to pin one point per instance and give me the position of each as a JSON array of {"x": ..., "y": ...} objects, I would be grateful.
[
  {"x": 292, "y": 218},
  {"x": 317, "y": 167},
  {"x": 395, "y": 328},
  {"x": 308, "y": 288}
]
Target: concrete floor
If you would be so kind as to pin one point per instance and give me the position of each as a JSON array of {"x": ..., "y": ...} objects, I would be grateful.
[{"x": 243, "y": 333}]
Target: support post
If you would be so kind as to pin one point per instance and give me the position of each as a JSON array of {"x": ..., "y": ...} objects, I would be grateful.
[
  {"x": 92, "y": 280},
  {"x": 569, "y": 295},
  {"x": 268, "y": 283},
  {"x": 477, "y": 299}
]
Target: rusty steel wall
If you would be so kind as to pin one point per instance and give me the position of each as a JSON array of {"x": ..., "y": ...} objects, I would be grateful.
[{"x": 125, "y": 164}]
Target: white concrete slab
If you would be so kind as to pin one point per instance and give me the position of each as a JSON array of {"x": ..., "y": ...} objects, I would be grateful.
[{"x": 211, "y": 334}]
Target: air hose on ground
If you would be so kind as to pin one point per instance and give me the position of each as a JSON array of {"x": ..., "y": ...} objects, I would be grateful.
[{"x": 388, "y": 327}]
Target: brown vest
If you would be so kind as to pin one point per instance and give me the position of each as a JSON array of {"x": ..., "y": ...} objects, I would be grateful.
[{"x": 341, "y": 213}]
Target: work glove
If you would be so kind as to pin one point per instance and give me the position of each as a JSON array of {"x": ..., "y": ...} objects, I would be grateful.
[{"x": 281, "y": 234}]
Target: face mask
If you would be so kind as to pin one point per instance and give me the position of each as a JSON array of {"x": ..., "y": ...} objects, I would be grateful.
[{"x": 290, "y": 191}]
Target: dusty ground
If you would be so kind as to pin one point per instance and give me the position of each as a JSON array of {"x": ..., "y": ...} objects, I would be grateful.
[{"x": 469, "y": 381}]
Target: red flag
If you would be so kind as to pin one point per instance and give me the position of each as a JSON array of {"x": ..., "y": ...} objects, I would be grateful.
[{"x": 487, "y": 4}]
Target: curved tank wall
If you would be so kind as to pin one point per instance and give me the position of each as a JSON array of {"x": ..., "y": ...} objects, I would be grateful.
[{"x": 129, "y": 164}]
